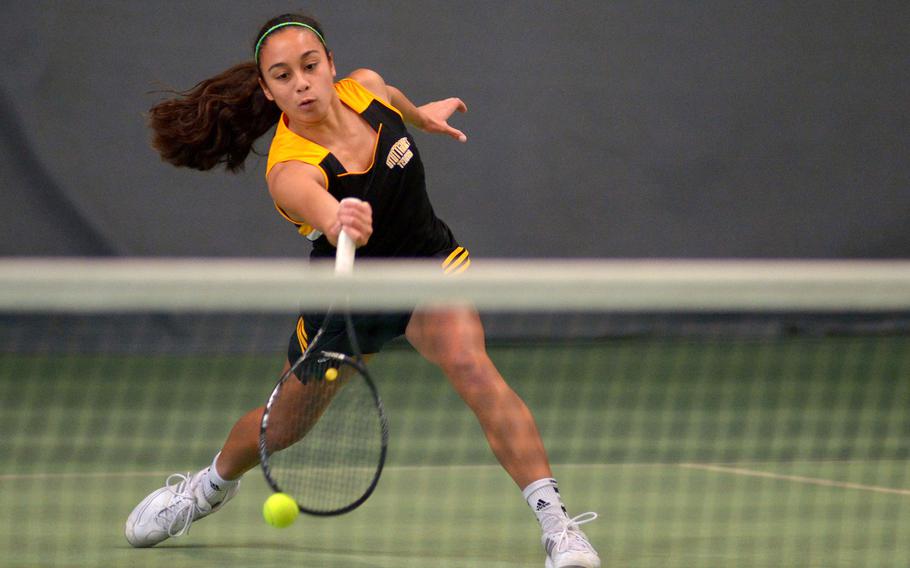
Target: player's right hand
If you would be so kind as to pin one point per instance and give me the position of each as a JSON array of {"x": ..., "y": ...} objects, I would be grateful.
[{"x": 356, "y": 217}]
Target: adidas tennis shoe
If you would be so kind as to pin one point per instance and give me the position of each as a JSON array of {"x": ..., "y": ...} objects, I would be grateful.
[
  {"x": 170, "y": 511},
  {"x": 567, "y": 546}
]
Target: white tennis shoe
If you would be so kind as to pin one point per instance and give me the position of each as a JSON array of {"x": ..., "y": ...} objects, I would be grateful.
[
  {"x": 568, "y": 547},
  {"x": 171, "y": 510}
]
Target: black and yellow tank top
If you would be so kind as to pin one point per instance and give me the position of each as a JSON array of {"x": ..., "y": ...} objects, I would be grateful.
[{"x": 404, "y": 224}]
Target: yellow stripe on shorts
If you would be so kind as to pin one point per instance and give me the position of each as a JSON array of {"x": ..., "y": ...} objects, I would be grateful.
[
  {"x": 463, "y": 267},
  {"x": 457, "y": 265},
  {"x": 301, "y": 334},
  {"x": 455, "y": 253}
]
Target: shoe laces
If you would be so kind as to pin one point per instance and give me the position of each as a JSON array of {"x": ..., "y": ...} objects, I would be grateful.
[
  {"x": 177, "y": 517},
  {"x": 570, "y": 537}
]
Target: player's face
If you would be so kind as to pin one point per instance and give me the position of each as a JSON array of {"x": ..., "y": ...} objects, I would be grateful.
[{"x": 297, "y": 74}]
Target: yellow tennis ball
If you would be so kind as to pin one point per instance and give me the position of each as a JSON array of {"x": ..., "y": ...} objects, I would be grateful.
[
  {"x": 331, "y": 374},
  {"x": 280, "y": 510}
]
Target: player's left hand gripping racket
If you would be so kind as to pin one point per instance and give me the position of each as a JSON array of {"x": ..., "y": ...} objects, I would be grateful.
[{"x": 323, "y": 439}]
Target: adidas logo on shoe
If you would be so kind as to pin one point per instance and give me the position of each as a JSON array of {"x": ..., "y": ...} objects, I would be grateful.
[{"x": 541, "y": 505}]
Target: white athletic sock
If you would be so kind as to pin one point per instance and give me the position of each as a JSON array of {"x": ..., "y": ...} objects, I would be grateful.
[
  {"x": 543, "y": 498},
  {"x": 214, "y": 486}
]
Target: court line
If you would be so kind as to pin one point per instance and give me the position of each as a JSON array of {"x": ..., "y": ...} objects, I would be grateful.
[
  {"x": 720, "y": 467},
  {"x": 134, "y": 474},
  {"x": 83, "y": 475},
  {"x": 794, "y": 478}
]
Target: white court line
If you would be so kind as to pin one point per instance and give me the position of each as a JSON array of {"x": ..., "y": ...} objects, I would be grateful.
[
  {"x": 794, "y": 478},
  {"x": 724, "y": 468},
  {"x": 83, "y": 475},
  {"x": 131, "y": 474}
]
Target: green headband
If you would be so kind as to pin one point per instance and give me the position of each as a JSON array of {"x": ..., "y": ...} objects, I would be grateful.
[{"x": 278, "y": 26}]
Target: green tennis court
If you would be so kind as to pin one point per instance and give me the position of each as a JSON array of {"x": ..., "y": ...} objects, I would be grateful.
[{"x": 695, "y": 453}]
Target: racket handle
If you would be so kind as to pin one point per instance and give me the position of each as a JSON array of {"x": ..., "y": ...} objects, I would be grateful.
[{"x": 344, "y": 255}]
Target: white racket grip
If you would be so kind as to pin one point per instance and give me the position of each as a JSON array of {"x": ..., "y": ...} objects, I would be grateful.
[{"x": 344, "y": 254}]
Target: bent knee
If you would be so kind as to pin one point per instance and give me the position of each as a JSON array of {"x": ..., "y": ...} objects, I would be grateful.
[
  {"x": 462, "y": 363},
  {"x": 472, "y": 374}
]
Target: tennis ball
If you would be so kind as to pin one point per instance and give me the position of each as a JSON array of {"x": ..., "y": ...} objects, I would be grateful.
[
  {"x": 280, "y": 510},
  {"x": 331, "y": 374}
]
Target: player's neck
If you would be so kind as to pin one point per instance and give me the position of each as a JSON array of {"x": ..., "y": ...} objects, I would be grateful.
[{"x": 339, "y": 123}]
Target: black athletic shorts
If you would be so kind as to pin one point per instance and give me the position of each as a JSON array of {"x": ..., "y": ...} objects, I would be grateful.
[{"x": 373, "y": 330}]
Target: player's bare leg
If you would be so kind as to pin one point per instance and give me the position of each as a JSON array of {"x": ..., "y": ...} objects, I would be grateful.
[
  {"x": 453, "y": 339},
  {"x": 240, "y": 452},
  {"x": 170, "y": 510}
]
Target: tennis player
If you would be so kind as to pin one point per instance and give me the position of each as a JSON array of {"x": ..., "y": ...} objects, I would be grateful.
[{"x": 335, "y": 140}]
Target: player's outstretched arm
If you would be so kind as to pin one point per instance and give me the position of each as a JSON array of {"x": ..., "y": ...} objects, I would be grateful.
[
  {"x": 432, "y": 117},
  {"x": 299, "y": 190}
]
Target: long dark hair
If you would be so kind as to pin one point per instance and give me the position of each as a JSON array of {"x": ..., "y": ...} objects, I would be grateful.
[{"x": 218, "y": 120}]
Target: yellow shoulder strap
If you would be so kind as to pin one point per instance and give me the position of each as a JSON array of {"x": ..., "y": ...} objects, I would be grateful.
[
  {"x": 287, "y": 146},
  {"x": 357, "y": 96}
]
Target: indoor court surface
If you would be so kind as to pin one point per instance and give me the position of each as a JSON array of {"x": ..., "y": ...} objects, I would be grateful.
[
  {"x": 683, "y": 225},
  {"x": 695, "y": 452}
]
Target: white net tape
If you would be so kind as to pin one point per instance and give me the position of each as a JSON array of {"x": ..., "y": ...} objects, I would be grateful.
[{"x": 77, "y": 286}]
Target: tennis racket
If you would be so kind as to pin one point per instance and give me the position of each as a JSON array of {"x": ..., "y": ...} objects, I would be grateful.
[{"x": 323, "y": 438}]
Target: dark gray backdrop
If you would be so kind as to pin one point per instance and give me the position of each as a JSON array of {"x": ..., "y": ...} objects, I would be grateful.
[{"x": 596, "y": 129}]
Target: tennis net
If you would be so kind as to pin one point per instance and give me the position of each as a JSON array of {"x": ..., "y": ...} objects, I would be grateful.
[{"x": 713, "y": 413}]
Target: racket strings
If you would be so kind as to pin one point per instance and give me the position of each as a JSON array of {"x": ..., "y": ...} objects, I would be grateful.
[{"x": 335, "y": 461}]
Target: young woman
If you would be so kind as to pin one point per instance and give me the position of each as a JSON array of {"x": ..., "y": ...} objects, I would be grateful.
[{"x": 335, "y": 140}]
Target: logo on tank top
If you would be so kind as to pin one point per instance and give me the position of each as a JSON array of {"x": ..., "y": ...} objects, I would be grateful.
[{"x": 400, "y": 154}]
